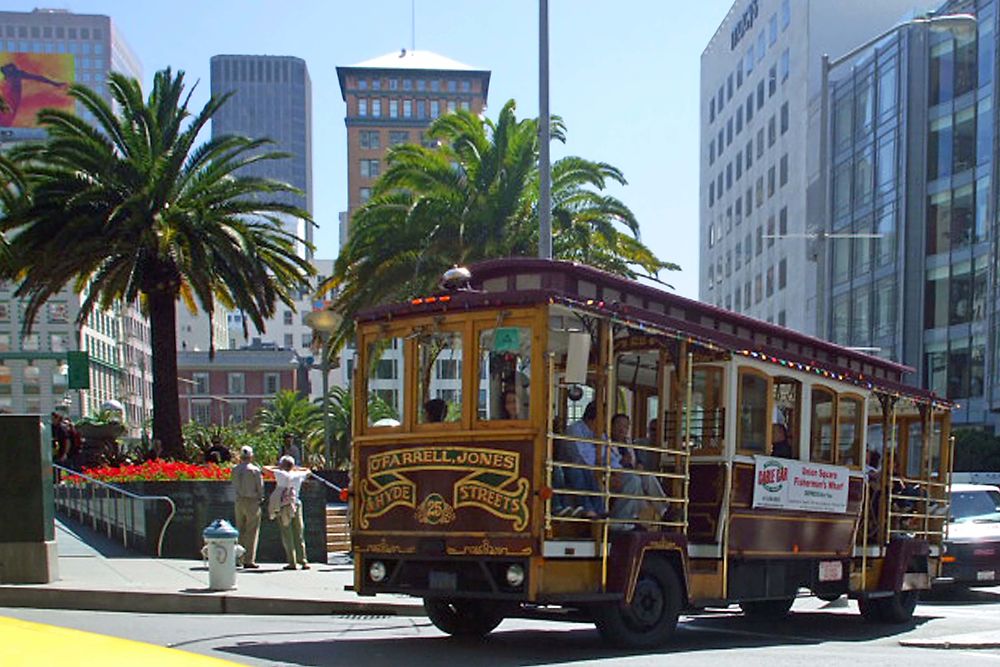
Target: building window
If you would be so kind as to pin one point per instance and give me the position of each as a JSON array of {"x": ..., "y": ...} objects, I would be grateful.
[
  {"x": 711, "y": 152},
  {"x": 407, "y": 108},
  {"x": 772, "y": 33},
  {"x": 452, "y": 86},
  {"x": 772, "y": 81},
  {"x": 435, "y": 108},
  {"x": 289, "y": 341},
  {"x": 772, "y": 131},
  {"x": 711, "y": 110},
  {"x": 786, "y": 13},
  {"x": 30, "y": 342},
  {"x": 466, "y": 86},
  {"x": 365, "y": 194},
  {"x": 782, "y": 274},
  {"x": 784, "y": 65},
  {"x": 770, "y": 182},
  {"x": 435, "y": 85},
  {"x": 770, "y": 281},
  {"x": 362, "y": 84},
  {"x": 237, "y": 412},
  {"x": 362, "y": 107},
  {"x": 376, "y": 84},
  {"x": 287, "y": 317},
  {"x": 397, "y": 137},
  {"x": 783, "y": 170},
  {"x": 393, "y": 108},
  {"x": 377, "y": 108},
  {"x": 272, "y": 383},
  {"x": 393, "y": 84},
  {"x": 760, "y": 240},
  {"x": 758, "y": 289},
  {"x": 201, "y": 412},
  {"x": 451, "y": 106},
  {"x": 369, "y": 168},
  {"x": 784, "y": 117},
  {"x": 783, "y": 221},
  {"x": 370, "y": 140},
  {"x": 236, "y": 383},
  {"x": 770, "y": 231},
  {"x": 200, "y": 385}
]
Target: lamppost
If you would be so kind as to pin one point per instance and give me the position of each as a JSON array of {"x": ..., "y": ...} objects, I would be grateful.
[
  {"x": 323, "y": 323},
  {"x": 942, "y": 22}
]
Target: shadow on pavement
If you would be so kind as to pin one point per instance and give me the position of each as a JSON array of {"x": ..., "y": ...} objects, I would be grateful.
[
  {"x": 959, "y": 595},
  {"x": 562, "y": 643},
  {"x": 83, "y": 539}
]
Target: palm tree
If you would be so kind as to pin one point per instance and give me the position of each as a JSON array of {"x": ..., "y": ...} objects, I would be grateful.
[
  {"x": 132, "y": 208},
  {"x": 475, "y": 196},
  {"x": 339, "y": 413},
  {"x": 291, "y": 412}
]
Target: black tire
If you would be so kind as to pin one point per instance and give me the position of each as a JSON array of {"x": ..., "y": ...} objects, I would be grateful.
[
  {"x": 463, "y": 618},
  {"x": 894, "y": 609},
  {"x": 651, "y": 618},
  {"x": 767, "y": 610}
]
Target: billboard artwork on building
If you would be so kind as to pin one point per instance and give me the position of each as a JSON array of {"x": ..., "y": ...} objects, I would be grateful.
[{"x": 30, "y": 82}]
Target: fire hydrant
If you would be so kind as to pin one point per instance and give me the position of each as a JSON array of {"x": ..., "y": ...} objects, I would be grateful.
[{"x": 221, "y": 551}]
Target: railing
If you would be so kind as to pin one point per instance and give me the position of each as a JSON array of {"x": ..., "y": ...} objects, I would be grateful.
[
  {"x": 127, "y": 516},
  {"x": 327, "y": 482}
]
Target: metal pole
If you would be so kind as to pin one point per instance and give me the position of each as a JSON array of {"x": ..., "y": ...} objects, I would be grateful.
[
  {"x": 823, "y": 248},
  {"x": 327, "y": 440},
  {"x": 544, "y": 167}
]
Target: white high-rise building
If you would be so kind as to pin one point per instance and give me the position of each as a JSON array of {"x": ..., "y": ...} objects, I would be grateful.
[{"x": 761, "y": 189}]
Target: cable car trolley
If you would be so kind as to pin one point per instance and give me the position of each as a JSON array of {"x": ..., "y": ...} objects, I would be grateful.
[{"x": 545, "y": 439}]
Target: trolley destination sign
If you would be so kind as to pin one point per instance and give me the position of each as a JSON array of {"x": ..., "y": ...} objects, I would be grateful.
[{"x": 794, "y": 485}]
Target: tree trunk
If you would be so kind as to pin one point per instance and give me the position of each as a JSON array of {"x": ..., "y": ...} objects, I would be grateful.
[{"x": 166, "y": 403}]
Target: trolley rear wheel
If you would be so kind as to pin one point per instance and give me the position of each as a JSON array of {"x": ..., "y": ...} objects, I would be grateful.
[
  {"x": 463, "y": 618},
  {"x": 650, "y": 618}
]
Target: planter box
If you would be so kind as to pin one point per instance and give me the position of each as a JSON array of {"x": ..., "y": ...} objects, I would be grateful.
[{"x": 198, "y": 503}]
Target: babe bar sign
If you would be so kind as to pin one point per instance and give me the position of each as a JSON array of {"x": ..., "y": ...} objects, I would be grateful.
[{"x": 794, "y": 485}]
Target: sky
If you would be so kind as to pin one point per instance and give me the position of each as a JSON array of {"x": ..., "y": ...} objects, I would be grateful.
[{"x": 624, "y": 77}]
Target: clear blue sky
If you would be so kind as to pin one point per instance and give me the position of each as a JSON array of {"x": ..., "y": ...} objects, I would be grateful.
[{"x": 625, "y": 77}]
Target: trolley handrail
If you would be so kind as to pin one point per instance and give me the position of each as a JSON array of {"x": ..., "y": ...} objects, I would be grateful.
[{"x": 130, "y": 494}]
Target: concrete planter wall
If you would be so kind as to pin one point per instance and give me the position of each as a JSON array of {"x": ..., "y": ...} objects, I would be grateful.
[{"x": 198, "y": 504}]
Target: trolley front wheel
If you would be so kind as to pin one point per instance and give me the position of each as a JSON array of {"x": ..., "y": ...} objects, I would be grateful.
[{"x": 463, "y": 618}]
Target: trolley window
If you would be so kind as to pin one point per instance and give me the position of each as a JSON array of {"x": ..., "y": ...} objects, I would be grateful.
[
  {"x": 385, "y": 381},
  {"x": 849, "y": 411},
  {"x": 821, "y": 434},
  {"x": 753, "y": 435},
  {"x": 504, "y": 373},
  {"x": 439, "y": 377}
]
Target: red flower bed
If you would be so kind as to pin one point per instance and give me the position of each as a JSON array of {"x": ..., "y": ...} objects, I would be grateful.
[{"x": 162, "y": 471}]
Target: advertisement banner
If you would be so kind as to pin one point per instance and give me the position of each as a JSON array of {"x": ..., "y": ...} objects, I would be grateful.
[
  {"x": 32, "y": 82},
  {"x": 795, "y": 485}
]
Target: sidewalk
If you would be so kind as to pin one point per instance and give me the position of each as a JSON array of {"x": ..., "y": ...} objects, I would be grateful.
[{"x": 97, "y": 574}]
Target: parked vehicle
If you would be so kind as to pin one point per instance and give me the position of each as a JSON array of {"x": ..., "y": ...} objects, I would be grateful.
[{"x": 972, "y": 547}]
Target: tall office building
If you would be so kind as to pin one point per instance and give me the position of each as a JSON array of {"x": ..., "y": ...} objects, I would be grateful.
[
  {"x": 272, "y": 98},
  {"x": 913, "y": 162},
  {"x": 63, "y": 47},
  {"x": 391, "y": 100},
  {"x": 761, "y": 195}
]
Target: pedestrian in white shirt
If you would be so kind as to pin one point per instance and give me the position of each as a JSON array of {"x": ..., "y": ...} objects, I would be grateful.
[{"x": 285, "y": 505}]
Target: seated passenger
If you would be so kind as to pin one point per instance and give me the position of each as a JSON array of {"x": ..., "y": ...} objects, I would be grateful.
[
  {"x": 780, "y": 446},
  {"x": 511, "y": 409},
  {"x": 582, "y": 453},
  {"x": 629, "y": 483},
  {"x": 435, "y": 410}
]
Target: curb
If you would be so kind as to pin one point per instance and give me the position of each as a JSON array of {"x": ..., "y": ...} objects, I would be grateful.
[
  {"x": 193, "y": 603},
  {"x": 952, "y": 643}
]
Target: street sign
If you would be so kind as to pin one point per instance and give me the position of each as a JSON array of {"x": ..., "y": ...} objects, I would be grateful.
[{"x": 79, "y": 369}]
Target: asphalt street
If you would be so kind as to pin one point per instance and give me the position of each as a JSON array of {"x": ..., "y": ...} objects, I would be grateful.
[{"x": 816, "y": 634}]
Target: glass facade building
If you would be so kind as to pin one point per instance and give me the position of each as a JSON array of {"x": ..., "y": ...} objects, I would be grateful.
[{"x": 912, "y": 258}]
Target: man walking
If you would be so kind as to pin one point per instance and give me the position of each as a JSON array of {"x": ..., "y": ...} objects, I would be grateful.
[{"x": 249, "y": 486}]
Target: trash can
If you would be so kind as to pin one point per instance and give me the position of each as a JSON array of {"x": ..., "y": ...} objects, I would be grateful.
[{"x": 221, "y": 550}]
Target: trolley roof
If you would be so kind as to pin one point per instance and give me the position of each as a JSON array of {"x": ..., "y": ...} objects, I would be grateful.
[{"x": 531, "y": 281}]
